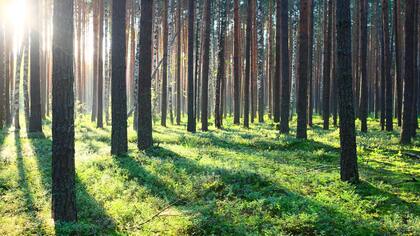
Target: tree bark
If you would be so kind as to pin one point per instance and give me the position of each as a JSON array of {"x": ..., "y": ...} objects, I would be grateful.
[
  {"x": 205, "y": 64},
  {"x": 348, "y": 162},
  {"x": 144, "y": 133},
  {"x": 284, "y": 65},
  {"x": 63, "y": 164},
  {"x": 363, "y": 109},
  {"x": 191, "y": 126},
  {"x": 387, "y": 67},
  {"x": 248, "y": 63},
  {"x": 118, "y": 89}
]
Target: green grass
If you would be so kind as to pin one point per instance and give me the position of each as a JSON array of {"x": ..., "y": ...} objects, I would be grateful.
[{"x": 224, "y": 182}]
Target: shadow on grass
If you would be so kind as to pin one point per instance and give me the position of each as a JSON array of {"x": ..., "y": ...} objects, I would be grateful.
[
  {"x": 92, "y": 217},
  {"x": 233, "y": 202},
  {"x": 28, "y": 198}
]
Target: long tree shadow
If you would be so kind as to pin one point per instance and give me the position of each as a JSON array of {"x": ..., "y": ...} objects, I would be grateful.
[
  {"x": 92, "y": 217},
  {"x": 215, "y": 188},
  {"x": 28, "y": 198}
]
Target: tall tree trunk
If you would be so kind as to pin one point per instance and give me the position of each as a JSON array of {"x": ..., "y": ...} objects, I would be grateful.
[
  {"x": 311, "y": 49},
  {"x": 119, "y": 90},
  {"x": 191, "y": 127},
  {"x": 248, "y": 63},
  {"x": 218, "y": 108},
  {"x": 398, "y": 59},
  {"x": 261, "y": 53},
  {"x": 363, "y": 41},
  {"x": 327, "y": 65},
  {"x": 387, "y": 67},
  {"x": 63, "y": 164},
  {"x": 99, "y": 121},
  {"x": 348, "y": 162},
  {"x": 178, "y": 65},
  {"x": 302, "y": 69},
  {"x": 144, "y": 133},
  {"x": 284, "y": 65},
  {"x": 164, "y": 101},
  {"x": 205, "y": 64},
  {"x": 35, "y": 120},
  {"x": 277, "y": 74},
  {"x": 95, "y": 9},
  {"x": 410, "y": 76},
  {"x": 236, "y": 64}
]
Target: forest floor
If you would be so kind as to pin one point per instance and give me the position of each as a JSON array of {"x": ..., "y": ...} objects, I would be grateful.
[{"x": 234, "y": 181}]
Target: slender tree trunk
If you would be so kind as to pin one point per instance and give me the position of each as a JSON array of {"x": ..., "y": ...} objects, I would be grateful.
[
  {"x": 63, "y": 164},
  {"x": 164, "y": 104},
  {"x": 348, "y": 162},
  {"x": 191, "y": 127},
  {"x": 205, "y": 64},
  {"x": 410, "y": 76},
  {"x": 261, "y": 53},
  {"x": 2, "y": 75},
  {"x": 387, "y": 67},
  {"x": 284, "y": 63},
  {"x": 218, "y": 109},
  {"x": 236, "y": 64},
  {"x": 277, "y": 74},
  {"x": 398, "y": 59},
  {"x": 302, "y": 69},
  {"x": 311, "y": 49},
  {"x": 16, "y": 104},
  {"x": 119, "y": 90},
  {"x": 35, "y": 120},
  {"x": 144, "y": 133},
  {"x": 248, "y": 63},
  {"x": 327, "y": 65},
  {"x": 99, "y": 121},
  {"x": 178, "y": 65},
  {"x": 363, "y": 110}
]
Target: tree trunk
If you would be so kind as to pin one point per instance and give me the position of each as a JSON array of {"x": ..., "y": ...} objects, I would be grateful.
[
  {"x": 348, "y": 162},
  {"x": 261, "y": 53},
  {"x": 327, "y": 65},
  {"x": 16, "y": 105},
  {"x": 191, "y": 127},
  {"x": 302, "y": 69},
  {"x": 144, "y": 133},
  {"x": 164, "y": 101},
  {"x": 178, "y": 65},
  {"x": 35, "y": 120},
  {"x": 284, "y": 65},
  {"x": 248, "y": 63},
  {"x": 363, "y": 109},
  {"x": 205, "y": 64},
  {"x": 119, "y": 90},
  {"x": 2, "y": 76},
  {"x": 277, "y": 74},
  {"x": 63, "y": 164},
  {"x": 218, "y": 109},
  {"x": 410, "y": 76},
  {"x": 387, "y": 67},
  {"x": 398, "y": 59}
]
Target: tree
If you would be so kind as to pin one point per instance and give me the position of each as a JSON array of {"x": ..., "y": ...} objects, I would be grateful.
[
  {"x": 236, "y": 65},
  {"x": 284, "y": 63},
  {"x": 410, "y": 45},
  {"x": 16, "y": 111},
  {"x": 63, "y": 164},
  {"x": 327, "y": 64},
  {"x": 363, "y": 41},
  {"x": 218, "y": 109},
  {"x": 261, "y": 52},
  {"x": 277, "y": 72},
  {"x": 398, "y": 58},
  {"x": 100, "y": 78},
  {"x": 191, "y": 119},
  {"x": 302, "y": 68},
  {"x": 178, "y": 64},
  {"x": 248, "y": 63},
  {"x": 164, "y": 101},
  {"x": 35, "y": 116},
  {"x": 205, "y": 64},
  {"x": 387, "y": 67},
  {"x": 144, "y": 133},
  {"x": 119, "y": 97},
  {"x": 348, "y": 162}
]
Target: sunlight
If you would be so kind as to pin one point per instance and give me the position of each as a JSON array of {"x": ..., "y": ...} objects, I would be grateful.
[{"x": 14, "y": 14}]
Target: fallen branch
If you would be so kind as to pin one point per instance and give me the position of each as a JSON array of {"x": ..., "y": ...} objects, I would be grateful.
[
  {"x": 409, "y": 154},
  {"x": 157, "y": 214}
]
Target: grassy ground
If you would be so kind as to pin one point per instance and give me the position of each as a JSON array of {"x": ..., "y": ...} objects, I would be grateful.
[{"x": 230, "y": 182}]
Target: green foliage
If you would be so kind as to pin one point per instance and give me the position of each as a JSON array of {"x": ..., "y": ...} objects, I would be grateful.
[{"x": 224, "y": 182}]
